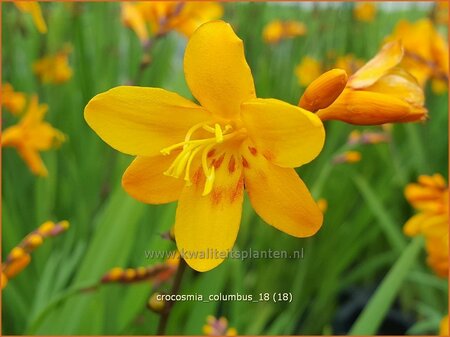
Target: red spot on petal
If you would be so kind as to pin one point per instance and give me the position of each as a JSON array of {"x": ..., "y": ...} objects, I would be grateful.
[
  {"x": 245, "y": 162},
  {"x": 236, "y": 193},
  {"x": 211, "y": 153},
  {"x": 216, "y": 195},
  {"x": 253, "y": 150},
  {"x": 218, "y": 161},
  {"x": 268, "y": 155},
  {"x": 232, "y": 164},
  {"x": 197, "y": 177}
]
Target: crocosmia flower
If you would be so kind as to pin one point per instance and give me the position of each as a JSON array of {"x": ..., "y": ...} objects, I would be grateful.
[
  {"x": 308, "y": 70},
  {"x": 159, "y": 17},
  {"x": 429, "y": 196},
  {"x": 54, "y": 69},
  {"x": 365, "y": 11},
  {"x": 12, "y": 100},
  {"x": 277, "y": 30},
  {"x": 426, "y": 51},
  {"x": 32, "y": 135},
  {"x": 203, "y": 155},
  {"x": 379, "y": 92}
]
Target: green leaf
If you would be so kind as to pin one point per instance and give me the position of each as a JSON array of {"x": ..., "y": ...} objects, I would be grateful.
[{"x": 373, "y": 314}]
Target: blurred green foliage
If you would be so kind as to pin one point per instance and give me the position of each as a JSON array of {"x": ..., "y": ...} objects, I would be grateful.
[{"x": 360, "y": 239}]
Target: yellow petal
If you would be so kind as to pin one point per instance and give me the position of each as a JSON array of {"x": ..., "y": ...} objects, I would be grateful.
[
  {"x": 324, "y": 90},
  {"x": 285, "y": 134},
  {"x": 443, "y": 328},
  {"x": 399, "y": 83},
  {"x": 44, "y": 137},
  {"x": 194, "y": 14},
  {"x": 34, "y": 9},
  {"x": 413, "y": 226},
  {"x": 142, "y": 121},
  {"x": 371, "y": 108},
  {"x": 12, "y": 136},
  {"x": 216, "y": 70},
  {"x": 133, "y": 18},
  {"x": 280, "y": 197},
  {"x": 208, "y": 225},
  {"x": 390, "y": 55},
  {"x": 145, "y": 181},
  {"x": 33, "y": 160}
]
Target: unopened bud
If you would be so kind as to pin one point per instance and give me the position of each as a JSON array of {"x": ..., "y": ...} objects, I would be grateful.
[
  {"x": 324, "y": 90},
  {"x": 156, "y": 304},
  {"x": 33, "y": 241}
]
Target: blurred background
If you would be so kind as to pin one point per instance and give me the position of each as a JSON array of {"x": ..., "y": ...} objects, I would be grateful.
[{"x": 90, "y": 48}]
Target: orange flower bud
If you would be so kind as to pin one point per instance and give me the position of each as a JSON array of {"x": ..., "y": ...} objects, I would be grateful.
[
  {"x": 32, "y": 241},
  {"x": 379, "y": 93},
  {"x": 324, "y": 90},
  {"x": 113, "y": 275},
  {"x": 17, "y": 263},
  {"x": 371, "y": 108}
]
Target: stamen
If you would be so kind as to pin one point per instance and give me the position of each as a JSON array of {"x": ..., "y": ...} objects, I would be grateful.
[
  {"x": 209, "y": 182},
  {"x": 187, "y": 177},
  {"x": 218, "y": 132},
  {"x": 190, "y": 148}
]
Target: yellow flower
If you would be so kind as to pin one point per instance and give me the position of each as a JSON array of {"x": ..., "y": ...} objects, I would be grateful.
[
  {"x": 20, "y": 256},
  {"x": 277, "y": 30},
  {"x": 202, "y": 155},
  {"x": 218, "y": 327},
  {"x": 14, "y": 101},
  {"x": 426, "y": 51},
  {"x": 163, "y": 16},
  {"x": 349, "y": 63},
  {"x": 54, "y": 69},
  {"x": 380, "y": 92},
  {"x": 34, "y": 9},
  {"x": 430, "y": 197},
  {"x": 443, "y": 330},
  {"x": 32, "y": 135},
  {"x": 365, "y": 11},
  {"x": 308, "y": 70}
]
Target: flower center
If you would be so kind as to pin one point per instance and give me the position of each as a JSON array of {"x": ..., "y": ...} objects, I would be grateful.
[{"x": 191, "y": 147}]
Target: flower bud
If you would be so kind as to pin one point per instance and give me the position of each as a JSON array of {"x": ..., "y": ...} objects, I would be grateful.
[
  {"x": 324, "y": 90},
  {"x": 155, "y": 304}
]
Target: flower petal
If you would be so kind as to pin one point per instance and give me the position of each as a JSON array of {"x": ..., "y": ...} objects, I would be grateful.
[
  {"x": 206, "y": 227},
  {"x": 399, "y": 83},
  {"x": 133, "y": 18},
  {"x": 193, "y": 14},
  {"x": 390, "y": 55},
  {"x": 142, "y": 121},
  {"x": 216, "y": 70},
  {"x": 145, "y": 181},
  {"x": 280, "y": 197},
  {"x": 33, "y": 160},
  {"x": 286, "y": 135},
  {"x": 371, "y": 108}
]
